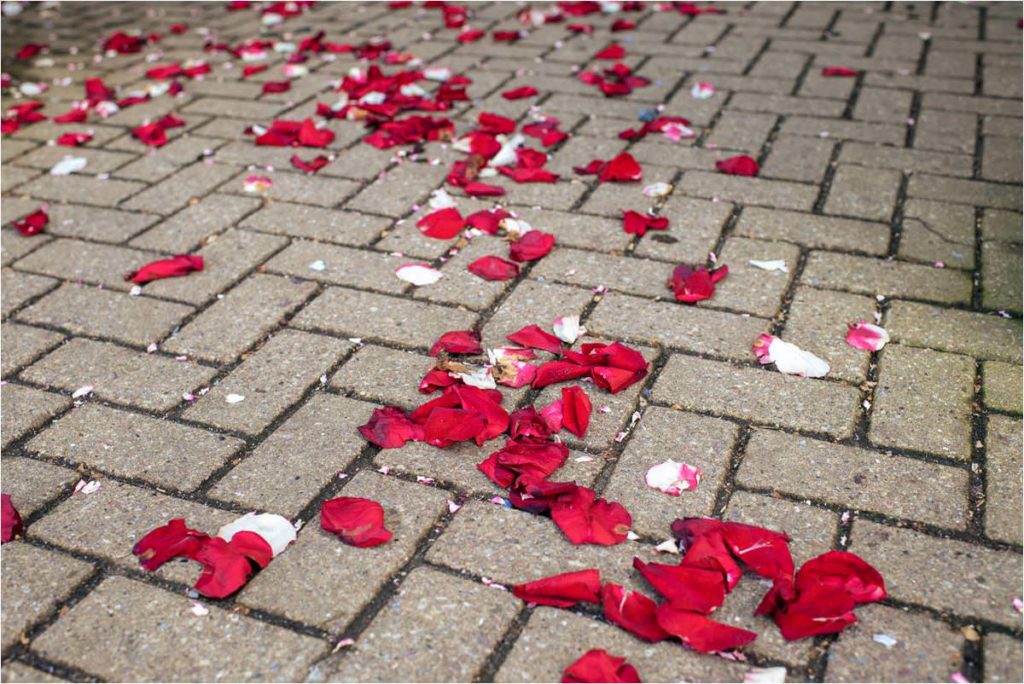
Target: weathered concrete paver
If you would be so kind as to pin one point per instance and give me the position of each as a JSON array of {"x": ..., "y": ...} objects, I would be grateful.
[{"x": 892, "y": 197}]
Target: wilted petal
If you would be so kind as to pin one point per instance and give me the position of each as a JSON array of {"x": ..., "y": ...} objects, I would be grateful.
[
  {"x": 672, "y": 477},
  {"x": 10, "y": 521},
  {"x": 788, "y": 358},
  {"x": 418, "y": 274},
  {"x": 562, "y": 591}
]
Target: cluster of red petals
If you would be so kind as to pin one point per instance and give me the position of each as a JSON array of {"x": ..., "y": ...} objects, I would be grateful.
[
  {"x": 154, "y": 134},
  {"x": 656, "y": 126},
  {"x": 613, "y": 367},
  {"x": 33, "y": 223},
  {"x": 168, "y": 71},
  {"x": 615, "y": 80},
  {"x": 695, "y": 283},
  {"x": 21, "y": 114},
  {"x": 10, "y": 521},
  {"x": 356, "y": 521},
  {"x": 179, "y": 265},
  {"x": 284, "y": 133},
  {"x": 635, "y": 223},
  {"x": 546, "y": 131},
  {"x": 691, "y": 9},
  {"x": 623, "y": 168},
  {"x": 740, "y": 165},
  {"x": 597, "y": 665},
  {"x": 412, "y": 129},
  {"x": 457, "y": 342},
  {"x": 227, "y": 565},
  {"x": 529, "y": 167}
]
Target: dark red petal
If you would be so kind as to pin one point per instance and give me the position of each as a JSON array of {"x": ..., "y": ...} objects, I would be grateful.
[
  {"x": 518, "y": 457},
  {"x": 519, "y": 93},
  {"x": 493, "y": 268},
  {"x": 840, "y": 71},
  {"x": 478, "y": 189},
  {"x": 634, "y": 222},
  {"x": 277, "y": 86},
  {"x": 252, "y": 546},
  {"x": 537, "y": 495},
  {"x": 225, "y": 568},
  {"x": 819, "y": 610},
  {"x": 442, "y": 224},
  {"x": 445, "y": 426},
  {"x": 562, "y": 591},
  {"x": 632, "y": 611},
  {"x": 558, "y": 371},
  {"x": 358, "y": 522},
  {"x": 585, "y": 519},
  {"x": 705, "y": 547},
  {"x": 842, "y": 571},
  {"x": 764, "y": 551},
  {"x": 179, "y": 265},
  {"x": 531, "y": 246},
  {"x": 526, "y": 422},
  {"x": 311, "y": 136},
  {"x": 534, "y": 337},
  {"x": 699, "y": 632},
  {"x": 612, "y": 52},
  {"x": 695, "y": 283},
  {"x": 10, "y": 521},
  {"x": 597, "y": 665},
  {"x": 436, "y": 379},
  {"x": 687, "y": 587},
  {"x": 457, "y": 342},
  {"x": 488, "y": 220},
  {"x": 311, "y": 166},
  {"x": 576, "y": 408},
  {"x": 170, "y": 541},
  {"x": 741, "y": 165},
  {"x": 622, "y": 169},
  {"x": 33, "y": 223},
  {"x": 390, "y": 428},
  {"x": 495, "y": 123}
]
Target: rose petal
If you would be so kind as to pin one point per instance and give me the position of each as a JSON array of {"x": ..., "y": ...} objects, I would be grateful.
[
  {"x": 274, "y": 529},
  {"x": 562, "y": 591},
  {"x": 866, "y": 336},
  {"x": 672, "y": 477},
  {"x": 418, "y": 274},
  {"x": 788, "y": 358},
  {"x": 596, "y": 665},
  {"x": 10, "y": 521},
  {"x": 358, "y": 522}
]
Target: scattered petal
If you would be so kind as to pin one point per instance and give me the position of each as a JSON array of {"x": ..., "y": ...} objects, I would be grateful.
[
  {"x": 275, "y": 530},
  {"x": 562, "y": 591},
  {"x": 673, "y": 478},
  {"x": 234, "y": 398},
  {"x": 568, "y": 329},
  {"x": 788, "y": 358},
  {"x": 765, "y": 675},
  {"x": 702, "y": 90},
  {"x": 418, "y": 274},
  {"x": 10, "y": 520},
  {"x": 83, "y": 391},
  {"x": 597, "y": 665},
  {"x": 358, "y": 522},
  {"x": 68, "y": 165},
  {"x": 866, "y": 336},
  {"x": 740, "y": 165},
  {"x": 771, "y": 265}
]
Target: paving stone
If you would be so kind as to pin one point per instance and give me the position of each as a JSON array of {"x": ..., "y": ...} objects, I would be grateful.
[
  {"x": 223, "y": 106},
  {"x": 863, "y": 192},
  {"x": 187, "y": 229},
  {"x": 590, "y": 269},
  {"x": 694, "y": 228},
  {"x": 178, "y": 189},
  {"x": 316, "y": 223},
  {"x": 984, "y": 336},
  {"x": 861, "y": 479},
  {"x": 249, "y": 312},
  {"x": 34, "y": 581},
  {"x": 94, "y": 263},
  {"x": 1002, "y": 493},
  {"x": 1001, "y": 225},
  {"x": 818, "y": 321},
  {"x": 92, "y": 223},
  {"x": 401, "y": 643},
  {"x": 879, "y": 104},
  {"x": 125, "y": 611},
  {"x": 134, "y": 445},
  {"x": 1003, "y": 658},
  {"x": 26, "y": 409},
  {"x": 888, "y": 278},
  {"x": 23, "y": 344},
  {"x": 410, "y": 511},
  {"x": 925, "y": 649},
  {"x": 659, "y": 435},
  {"x": 1001, "y": 276},
  {"x": 553, "y": 639},
  {"x": 294, "y": 187},
  {"x": 395, "y": 193},
  {"x": 225, "y": 260},
  {"x": 76, "y": 188},
  {"x": 742, "y": 131},
  {"x": 561, "y": 196},
  {"x": 798, "y": 158},
  {"x": 300, "y": 457},
  {"x": 352, "y": 313},
  {"x": 938, "y": 232},
  {"x": 839, "y": 129},
  {"x": 14, "y": 247},
  {"x": 274, "y": 377},
  {"x": 677, "y": 325},
  {"x": 13, "y": 176},
  {"x": 1002, "y": 386},
  {"x": 533, "y": 302},
  {"x": 755, "y": 191},
  {"x": 923, "y": 402},
  {"x": 977, "y": 193},
  {"x": 768, "y": 287},
  {"x": 814, "y": 231},
  {"x": 98, "y": 161},
  {"x": 33, "y": 484},
  {"x": 161, "y": 162},
  {"x": 384, "y": 375},
  {"x": 360, "y": 268},
  {"x": 760, "y": 395},
  {"x": 86, "y": 310},
  {"x": 970, "y": 580},
  {"x": 16, "y": 672},
  {"x": 149, "y": 381},
  {"x": 907, "y": 159},
  {"x": 942, "y": 130}
]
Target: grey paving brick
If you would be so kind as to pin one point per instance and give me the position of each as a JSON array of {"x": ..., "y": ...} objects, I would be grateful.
[
  {"x": 178, "y": 189},
  {"x": 1001, "y": 225},
  {"x": 23, "y": 344},
  {"x": 360, "y": 268},
  {"x": 161, "y": 162},
  {"x": 1002, "y": 495},
  {"x": 984, "y": 336},
  {"x": 1002, "y": 382},
  {"x": 938, "y": 232},
  {"x": 384, "y": 375},
  {"x": 693, "y": 232},
  {"x": 32, "y": 484},
  {"x": 118, "y": 374},
  {"x": 74, "y": 260},
  {"x": 274, "y": 377},
  {"x": 798, "y": 158},
  {"x": 756, "y": 191},
  {"x": 187, "y": 229},
  {"x": 1003, "y": 658},
  {"x": 863, "y": 192},
  {"x": 818, "y": 321},
  {"x": 888, "y": 278},
  {"x": 92, "y": 223},
  {"x": 977, "y": 193},
  {"x": 1001, "y": 276},
  {"x": 875, "y": 133},
  {"x": 814, "y": 231},
  {"x": 316, "y": 223},
  {"x": 26, "y": 409},
  {"x": 947, "y": 164},
  {"x": 79, "y": 188},
  {"x": 395, "y": 193}
]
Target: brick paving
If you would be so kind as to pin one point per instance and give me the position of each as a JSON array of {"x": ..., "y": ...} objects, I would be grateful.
[{"x": 897, "y": 193}]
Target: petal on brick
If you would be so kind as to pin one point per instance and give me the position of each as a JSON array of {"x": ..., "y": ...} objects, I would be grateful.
[
  {"x": 418, "y": 274},
  {"x": 576, "y": 409},
  {"x": 562, "y": 591},
  {"x": 586, "y": 519},
  {"x": 443, "y": 224},
  {"x": 357, "y": 521},
  {"x": 632, "y": 611},
  {"x": 866, "y": 336},
  {"x": 493, "y": 268},
  {"x": 695, "y": 283},
  {"x": 635, "y": 223},
  {"x": 687, "y": 587},
  {"x": 172, "y": 540},
  {"x": 390, "y": 428},
  {"x": 32, "y": 224},
  {"x": 531, "y": 246},
  {"x": 788, "y": 358},
  {"x": 180, "y": 265},
  {"x": 534, "y": 337},
  {"x": 699, "y": 632},
  {"x": 521, "y": 457},
  {"x": 226, "y": 569},
  {"x": 672, "y": 477},
  {"x": 597, "y": 665},
  {"x": 519, "y": 93},
  {"x": 10, "y": 521},
  {"x": 740, "y": 165},
  {"x": 274, "y": 529},
  {"x": 457, "y": 342}
]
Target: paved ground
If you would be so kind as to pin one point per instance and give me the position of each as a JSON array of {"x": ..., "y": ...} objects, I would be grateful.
[{"x": 895, "y": 192}]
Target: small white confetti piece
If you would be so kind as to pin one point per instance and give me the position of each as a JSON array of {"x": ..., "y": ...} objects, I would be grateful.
[
  {"x": 885, "y": 640},
  {"x": 234, "y": 398},
  {"x": 632, "y": 536},
  {"x": 199, "y": 610},
  {"x": 82, "y": 391},
  {"x": 318, "y": 265},
  {"x": 667, "y": 546},
  {"x": 452, "y": 506}
]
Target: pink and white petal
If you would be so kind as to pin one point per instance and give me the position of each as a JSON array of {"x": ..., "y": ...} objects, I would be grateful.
[
  {"x": 789, "y": 358},
  {"x": 672, "y": 477},
  {"x": 568, "y": 328},
  {"x": 418, "y": 274},
  {"x": 866, "y": 336},
  {"x": 273, "y": 528}
]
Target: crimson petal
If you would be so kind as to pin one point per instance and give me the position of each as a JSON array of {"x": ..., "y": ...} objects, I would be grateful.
[
  {"x": 699, "y": 632},
  {"x": 390, "y": 428},
  {"x": 457, "y": 342},
  {"x": 358, "y": 522},
  {"x": 632, "y": 611},
  {"x": 596, "y": 665},
  {"x": 442, "y": 224},
  {"x": 10, "y": 520},
  {"x": 179, "y": 265},
  {"x": 562, "y": 591},
  {"x": 576, "y": 409},
  {"x": 585, "y": 519},
  {"x": 493, "y": 268}
]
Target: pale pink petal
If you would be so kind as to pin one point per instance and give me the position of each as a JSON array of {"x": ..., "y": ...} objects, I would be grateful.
[
  {"x": 702, "y": 90},
  {"x": 866, "y": 336},
  {"x": 418, "y": 274},
  {"x": 765, "y": 675},
  {"x": 568, "y": 328},
  {"x": 673, "y": 478}
]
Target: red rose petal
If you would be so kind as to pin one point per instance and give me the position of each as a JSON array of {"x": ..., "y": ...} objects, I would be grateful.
[
  {"x": 819, "y": 610},
  {"x": 519, "y": 93},
  {"x": 575, "y": 410},
  {"x": 358, "y": 522},
  {"x": 390, "y": 428},
  {"x": 558, "y": 371},
  {"x": 562, "y": 591},
  {"x": 494, "y": 123},
  {"x": 622, "y": 25},
  {"x": 612, "y": 52},
  {"x": 176, "y": 266},
  {"x": 457, "y": 342},
  {"x": 844, "y": 571},
  {"x": 740, "y": 165},
  {"x": 442, "y": 224},
  {"x": 493, "y": 268},
  {"x": 527, "y": 422},
  {"x": 74, "y": 139},
  {"x": 695, "y": 283},
  {"x": 531, "y": 246},
  {"x": 277, "y": 86},
  {"x": 173, "y": 540},
  {"x": 536, "y": 495},
  {"x": 585, "y": 519},
  {"x": 699, "y": 632},
  {"x": 632, "y": 611},
  {"x": 686, "y": 587},
  {"x": 311, "y": 166},
  {"x": 33, "y": 223},
  {"x": 597, "y": 665},
  {"x": 488, "y": 220},
  {"x": 534, "y": 337},
  {"x": 225, "y": 568},
  {"x": 838, "y": 71},
  {"x": 517, "y": 457},
  {"x": 10, "y": 521},
  {"x": 470, "y": 36},
  {"x": 635, "y": 223}
]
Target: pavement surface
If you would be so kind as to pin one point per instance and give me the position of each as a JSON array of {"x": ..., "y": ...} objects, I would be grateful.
[{"x": 893, "y": 193}]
